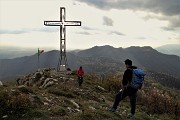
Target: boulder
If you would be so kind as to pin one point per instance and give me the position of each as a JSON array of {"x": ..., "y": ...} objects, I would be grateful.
[{"x": 1, "y": 84}]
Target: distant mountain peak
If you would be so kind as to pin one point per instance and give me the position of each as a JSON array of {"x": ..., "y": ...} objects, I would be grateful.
[
  {"x": 172, "y": 49},
  {"x": 104, "y": 46},
  {"x": 142, "y": 49},
  {"x": 146, "y": 47}
]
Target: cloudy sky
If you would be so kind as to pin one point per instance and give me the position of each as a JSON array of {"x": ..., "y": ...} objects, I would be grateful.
[{"x": 119, "y": 23}]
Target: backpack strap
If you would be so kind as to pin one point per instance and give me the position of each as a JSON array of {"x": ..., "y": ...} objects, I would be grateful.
[{"x": 129, "y": 83}]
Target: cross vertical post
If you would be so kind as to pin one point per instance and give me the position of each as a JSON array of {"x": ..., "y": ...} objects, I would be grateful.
[{"x": 62, "y": 64}]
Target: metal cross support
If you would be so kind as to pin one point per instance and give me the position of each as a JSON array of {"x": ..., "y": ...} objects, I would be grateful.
[{"x": 62, "y": 64}]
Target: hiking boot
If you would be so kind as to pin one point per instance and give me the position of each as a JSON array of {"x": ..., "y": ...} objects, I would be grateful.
[
  {"x": 112, "y": 110},
  {"x": 130, "y": 115}
]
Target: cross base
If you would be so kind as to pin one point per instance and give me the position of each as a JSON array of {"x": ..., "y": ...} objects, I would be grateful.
[{"x": 61, "y": 68}]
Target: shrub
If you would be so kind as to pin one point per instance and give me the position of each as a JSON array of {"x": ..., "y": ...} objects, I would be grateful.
[
  {"x": 19, "y": 102},
  {"x": 58, "y": 110},
  {"x": 61, "y": 93},
  {"x": 112, "y": 84},
  {"x": 35, "y": 113},
  {"x": 3, "y": 103},
  {"x": 14, "y": 103},
  {"x": 157, "y": 102},
  {"x": 25, "y": 90}
]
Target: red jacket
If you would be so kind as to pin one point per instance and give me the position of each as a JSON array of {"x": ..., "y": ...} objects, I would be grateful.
[{"x": 80, "y": 72}]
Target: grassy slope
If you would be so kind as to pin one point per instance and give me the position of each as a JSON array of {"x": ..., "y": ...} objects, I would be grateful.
[{"x": 55, "y": 102}]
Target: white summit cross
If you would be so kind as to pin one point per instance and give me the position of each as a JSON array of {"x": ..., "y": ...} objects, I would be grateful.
[{"x": 62, "y": 64}]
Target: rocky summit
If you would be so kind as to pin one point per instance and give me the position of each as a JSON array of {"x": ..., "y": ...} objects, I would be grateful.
[{"x": 48, "y": 94}]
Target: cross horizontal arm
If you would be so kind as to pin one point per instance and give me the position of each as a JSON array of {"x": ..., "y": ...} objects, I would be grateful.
[
  {"x": 72, "y": 23},
  {"x": 60, "y": 23},
  {"x": 52, "y": 23}
]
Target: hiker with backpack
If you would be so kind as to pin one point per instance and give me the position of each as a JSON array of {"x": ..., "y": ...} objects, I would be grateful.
[
  {"x": 132, "y": 81},
  {"x": 80, "y": 74}
]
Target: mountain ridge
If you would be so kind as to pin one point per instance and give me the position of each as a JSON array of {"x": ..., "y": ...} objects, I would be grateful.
[
  {"x": 100, "y": 59},
  {"x": 172, "y": 49}
]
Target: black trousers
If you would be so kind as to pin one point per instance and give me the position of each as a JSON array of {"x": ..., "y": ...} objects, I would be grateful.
[
  {"x": 129, "y": 91},
  {"x": 80, "y": 80}
]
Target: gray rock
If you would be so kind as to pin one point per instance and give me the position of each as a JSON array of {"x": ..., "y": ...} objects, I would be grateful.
[
  {"x": 1, "y": 84},
  {"x": 74, "y": 103},
  {"x": 92, "y": 108},
  {"x": 5, "y": 116},
  {"x": 101, "y": 88}
]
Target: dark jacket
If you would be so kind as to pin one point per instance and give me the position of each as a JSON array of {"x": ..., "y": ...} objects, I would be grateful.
[{"x": 127, "y": 77}]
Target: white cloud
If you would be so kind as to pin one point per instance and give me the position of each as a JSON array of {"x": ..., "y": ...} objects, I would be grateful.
[
  {"x": 22, "y": 23},
  {"x": 27, "y": 30},
  {"x": 116, "y": 33},
  {"x": 84, "y": 33},
  {"x": 168, "y": 8}
]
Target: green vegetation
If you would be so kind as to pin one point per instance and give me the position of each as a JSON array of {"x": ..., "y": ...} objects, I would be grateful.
[{"x": 66, "y": 101}]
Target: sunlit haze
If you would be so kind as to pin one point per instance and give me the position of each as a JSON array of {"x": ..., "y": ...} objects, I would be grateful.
[{"x": 118, "y": 23}]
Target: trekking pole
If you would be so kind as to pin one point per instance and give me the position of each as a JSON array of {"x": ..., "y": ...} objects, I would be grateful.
[{"x": 122, "y": 90}]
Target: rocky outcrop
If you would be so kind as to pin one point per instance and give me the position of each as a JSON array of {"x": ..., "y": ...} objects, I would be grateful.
[
  {"x": 1, "y": 84},
  {"x": 43, "y": 78}
]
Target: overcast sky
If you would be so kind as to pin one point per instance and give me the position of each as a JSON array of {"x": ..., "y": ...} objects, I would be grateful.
[{"x": 119, "y": 23}]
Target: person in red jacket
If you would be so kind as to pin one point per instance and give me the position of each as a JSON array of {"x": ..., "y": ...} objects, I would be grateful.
[{"x": 80, "y": 74}]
